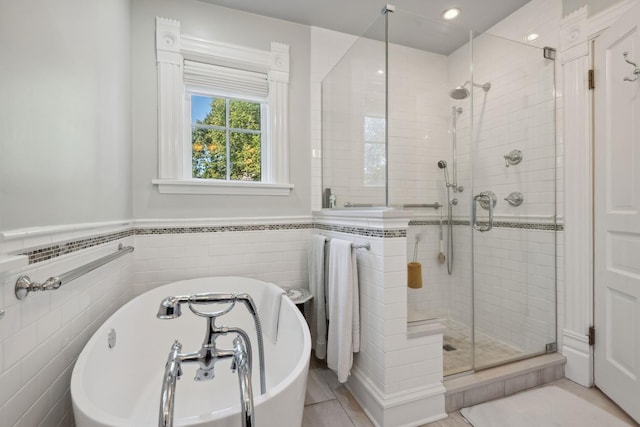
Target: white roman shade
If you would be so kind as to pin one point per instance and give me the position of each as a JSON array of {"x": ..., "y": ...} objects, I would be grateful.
[{"x": 226, "y": 79}]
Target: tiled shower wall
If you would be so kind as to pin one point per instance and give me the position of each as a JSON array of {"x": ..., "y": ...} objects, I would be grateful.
[
  {"x": 514, "y": 276},
  {"x": 514, "y": 268},
  {"x": 419, "y": 120},
  {"x": 517, "y": 113},
  {"x": 352, "y": 93}
]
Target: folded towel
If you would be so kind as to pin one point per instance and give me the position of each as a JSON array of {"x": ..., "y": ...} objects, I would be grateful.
[
  {"x": 317, "y": 288},
  {"x": 344, "y": 311},
  {"x": 269, "y": 310}
]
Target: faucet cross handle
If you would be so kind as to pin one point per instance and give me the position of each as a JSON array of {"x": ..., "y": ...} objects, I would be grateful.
[
  {"x": 240, "y": 357},
  {"x": 174, "y": 360}
]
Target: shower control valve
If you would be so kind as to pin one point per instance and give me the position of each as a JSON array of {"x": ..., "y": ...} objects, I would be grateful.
[{"x": 513, "y": 158}]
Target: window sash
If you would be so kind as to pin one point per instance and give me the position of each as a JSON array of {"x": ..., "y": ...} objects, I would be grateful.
[{"x": 227, "y": 129}]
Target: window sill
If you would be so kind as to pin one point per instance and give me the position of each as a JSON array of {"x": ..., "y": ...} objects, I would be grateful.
[{"x": 244, "y": 188}]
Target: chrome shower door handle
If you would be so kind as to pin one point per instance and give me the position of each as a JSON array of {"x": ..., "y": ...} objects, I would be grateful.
[{"x": 487, "y": 199}]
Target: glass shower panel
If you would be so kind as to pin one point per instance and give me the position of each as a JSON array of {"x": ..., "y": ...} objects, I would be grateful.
[
  {"x": 423, "y": 120},
  {"x": 514, "y": 158},
  {"x": 354, "y": 124}
]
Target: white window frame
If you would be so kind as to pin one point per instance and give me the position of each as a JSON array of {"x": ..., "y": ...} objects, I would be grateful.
[{"x": 174, "y": 161}]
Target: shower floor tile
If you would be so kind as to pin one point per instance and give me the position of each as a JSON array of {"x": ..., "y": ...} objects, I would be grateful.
[{"x": 489, "y": 351}]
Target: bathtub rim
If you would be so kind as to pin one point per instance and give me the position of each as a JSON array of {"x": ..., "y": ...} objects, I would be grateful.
[{"x": 83, "y": 404}]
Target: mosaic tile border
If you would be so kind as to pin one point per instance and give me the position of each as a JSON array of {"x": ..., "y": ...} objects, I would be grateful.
[
  {"x": 436, "y": 222},
  {"x": 40, "y": 254},
  {"x": 221, "y": 228},
  {"x": 46, "y": 253},
  {"x": 498, "y": 224},
  {"x": 361, "y": 231}
]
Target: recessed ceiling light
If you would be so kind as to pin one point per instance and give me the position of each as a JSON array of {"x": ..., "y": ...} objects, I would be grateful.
[
  {"x": 381, "y": 72},
  {"x": 451, "y": 13},
  {"x": 531, "y": 37}
]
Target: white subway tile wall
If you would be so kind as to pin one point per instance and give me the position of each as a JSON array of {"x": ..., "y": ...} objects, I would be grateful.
[
  {"x": 419, "y": 120},
  {"x": 41, "y": 336},
  {"x": 278, "y": 256},
  {"x": 387, "y": 358}
]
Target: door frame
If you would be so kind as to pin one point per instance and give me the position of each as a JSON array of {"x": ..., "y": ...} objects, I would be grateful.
[{"x": 577, "y": 32}]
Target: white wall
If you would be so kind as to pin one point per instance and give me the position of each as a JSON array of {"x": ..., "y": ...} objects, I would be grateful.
[
  {"x": 595, "y": 6},
  {"x": 65, "y": 144},
  {"x": 65, "y": 116},
  {"x": 215, "y": 23}
]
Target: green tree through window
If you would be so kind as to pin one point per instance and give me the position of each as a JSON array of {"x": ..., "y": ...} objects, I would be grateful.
[{"x": 226, "y": 143}]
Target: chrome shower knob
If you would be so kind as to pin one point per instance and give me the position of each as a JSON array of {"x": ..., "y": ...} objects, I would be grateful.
[{"x": 513, "y": 158}]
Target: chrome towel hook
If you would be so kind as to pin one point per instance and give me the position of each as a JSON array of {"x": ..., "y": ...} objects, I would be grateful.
[{"x": 636, "y": 70}]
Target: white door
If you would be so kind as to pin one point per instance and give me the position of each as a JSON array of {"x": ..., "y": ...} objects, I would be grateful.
[{"x": 617, "y": 213}]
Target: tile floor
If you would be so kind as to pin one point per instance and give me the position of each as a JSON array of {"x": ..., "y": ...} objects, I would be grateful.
[
  {"x": 488, "y": 350},
  {"x": 329, "y": 404}
]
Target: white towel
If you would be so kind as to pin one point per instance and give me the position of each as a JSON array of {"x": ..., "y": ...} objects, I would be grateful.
[
  {"x": 344, "y": 311},
  {"x": 269, "y": 310},
  {"x": 316, "y": 286}
]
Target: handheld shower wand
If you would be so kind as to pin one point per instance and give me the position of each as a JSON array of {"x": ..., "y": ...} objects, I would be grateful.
[{"x": 443, "y": 165}]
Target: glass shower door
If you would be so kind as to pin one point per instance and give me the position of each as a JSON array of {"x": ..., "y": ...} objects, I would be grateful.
[{"x": 513, "y": 201}]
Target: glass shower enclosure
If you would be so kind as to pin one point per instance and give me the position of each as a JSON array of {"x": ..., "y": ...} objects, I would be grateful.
[{"x": 459, "y": 129}]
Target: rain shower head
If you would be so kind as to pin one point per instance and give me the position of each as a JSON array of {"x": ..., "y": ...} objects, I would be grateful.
[{"x": 461, "y": 92}]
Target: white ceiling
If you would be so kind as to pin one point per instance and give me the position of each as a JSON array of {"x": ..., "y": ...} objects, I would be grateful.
[{"x": 417, "y": 23}]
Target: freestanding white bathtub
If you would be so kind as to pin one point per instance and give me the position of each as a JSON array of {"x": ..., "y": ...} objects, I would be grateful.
[{"x": 121, "y": 386}]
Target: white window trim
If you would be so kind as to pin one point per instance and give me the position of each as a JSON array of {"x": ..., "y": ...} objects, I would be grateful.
[{"x": 172, "y": 48}]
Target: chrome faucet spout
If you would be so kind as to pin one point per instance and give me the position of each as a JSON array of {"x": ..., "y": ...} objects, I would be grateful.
[
  {"x": 242, "y": 364},
  {"x": 172, "y": 372}
]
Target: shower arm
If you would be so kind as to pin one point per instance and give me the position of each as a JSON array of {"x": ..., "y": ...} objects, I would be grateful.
[{"x": 486, "y": 86}]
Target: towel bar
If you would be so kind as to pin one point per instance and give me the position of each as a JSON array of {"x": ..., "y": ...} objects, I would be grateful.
[
  {"x": 366, "y": 246},
  {"x": 24, "y": 285}
]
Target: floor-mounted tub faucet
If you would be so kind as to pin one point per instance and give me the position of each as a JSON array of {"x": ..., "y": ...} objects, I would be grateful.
[
  {"x": 173, "y": 371},
  {"x": 209, "y": 354}
]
